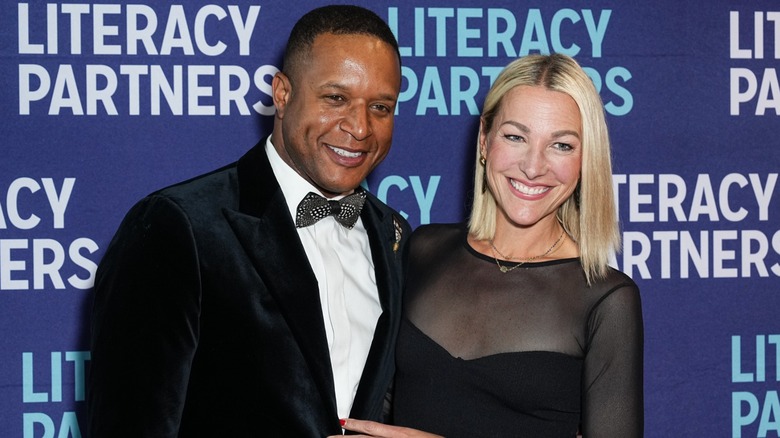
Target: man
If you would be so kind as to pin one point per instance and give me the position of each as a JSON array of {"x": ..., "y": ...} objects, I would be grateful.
[{"x": 223, "y": 310}]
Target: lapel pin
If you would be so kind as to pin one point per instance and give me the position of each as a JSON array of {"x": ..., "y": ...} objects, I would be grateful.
[{"x": 398, "y": 232}]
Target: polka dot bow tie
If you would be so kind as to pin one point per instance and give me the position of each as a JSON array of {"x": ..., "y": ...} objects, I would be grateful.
[{"x": 346, "y": 211}]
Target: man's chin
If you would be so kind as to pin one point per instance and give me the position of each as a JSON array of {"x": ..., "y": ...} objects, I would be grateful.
[{"x": 340, "y": 189}]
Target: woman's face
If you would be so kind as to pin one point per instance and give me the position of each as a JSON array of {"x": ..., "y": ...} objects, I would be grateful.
[{"x": 533, "y": 153}]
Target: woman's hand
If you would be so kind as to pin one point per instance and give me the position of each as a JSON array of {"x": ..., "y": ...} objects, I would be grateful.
[{"x": 379, "y": 430}]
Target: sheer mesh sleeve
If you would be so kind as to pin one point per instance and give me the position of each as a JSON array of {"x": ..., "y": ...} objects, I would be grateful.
[{"x": 612, "y": 402}]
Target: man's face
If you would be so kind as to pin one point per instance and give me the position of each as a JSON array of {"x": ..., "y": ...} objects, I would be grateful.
[{"x": 334, "y": 119}]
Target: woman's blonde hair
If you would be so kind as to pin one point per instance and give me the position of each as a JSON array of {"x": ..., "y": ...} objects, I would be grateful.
[{"x": 591, "y": 207}]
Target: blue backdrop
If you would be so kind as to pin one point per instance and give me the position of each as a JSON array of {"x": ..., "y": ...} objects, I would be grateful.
[{"x": 103, "y": 103}]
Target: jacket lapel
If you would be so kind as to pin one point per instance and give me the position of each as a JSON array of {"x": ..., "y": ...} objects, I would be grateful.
[
  {"x": 380, "y": 365},
  {"x": 267, "y": 234}
]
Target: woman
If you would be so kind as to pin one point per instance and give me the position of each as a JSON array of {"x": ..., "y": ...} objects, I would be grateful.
[{"x": 516, "y": 325}]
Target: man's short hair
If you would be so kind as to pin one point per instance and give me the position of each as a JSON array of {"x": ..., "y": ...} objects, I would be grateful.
[{"x": 337, "y": 20}]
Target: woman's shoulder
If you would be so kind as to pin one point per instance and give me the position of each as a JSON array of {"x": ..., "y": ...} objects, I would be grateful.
[
  {"x": 437, "y": 235},
  {"x": 616, "y": 278},
  {"x": 440, "y": 229},
  {"x": 615, "y": 286},
  {"x": 439, "y": 232}
]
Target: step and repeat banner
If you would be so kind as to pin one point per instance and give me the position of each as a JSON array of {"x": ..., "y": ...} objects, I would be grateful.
[{"x": 104, "y": 102}]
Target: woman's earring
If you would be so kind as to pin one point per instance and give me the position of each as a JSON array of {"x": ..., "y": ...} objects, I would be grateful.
[
  {"x": 577, "y": 196},
  {"x": 483, "y": 161}
]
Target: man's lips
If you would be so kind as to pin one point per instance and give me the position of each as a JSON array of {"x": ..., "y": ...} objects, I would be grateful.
[{"x": 345, "y": 153}]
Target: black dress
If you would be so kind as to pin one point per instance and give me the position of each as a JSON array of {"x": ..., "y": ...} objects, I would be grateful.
[{"x": 533, "y": 352}]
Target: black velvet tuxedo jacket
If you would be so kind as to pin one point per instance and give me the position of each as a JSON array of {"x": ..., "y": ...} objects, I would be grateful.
[{"x": 207, "y": 319}]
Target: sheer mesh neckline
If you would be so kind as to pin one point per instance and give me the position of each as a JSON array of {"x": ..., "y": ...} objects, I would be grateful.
[{"x": 487, "y": 258}]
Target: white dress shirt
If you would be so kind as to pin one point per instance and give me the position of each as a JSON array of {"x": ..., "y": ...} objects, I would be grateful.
[{"x": 341, "y": 261}]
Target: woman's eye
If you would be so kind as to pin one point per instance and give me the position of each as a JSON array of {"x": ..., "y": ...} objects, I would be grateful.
[{"x": 563, "y": 146}]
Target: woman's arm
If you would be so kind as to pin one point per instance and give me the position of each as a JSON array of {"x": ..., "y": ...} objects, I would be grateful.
[{"x": 612, "y": 385}]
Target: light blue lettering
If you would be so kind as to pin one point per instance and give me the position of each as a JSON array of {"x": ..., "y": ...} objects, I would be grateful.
[
  {"x": 384, "y": 186},
  {"x": 737, "y": 376},
  {"x": 612, "y": 85},
  {"x": 3, "y": 224},
  {"x": 737, "y": 419},
  {"x": 30, "y": 419},
  {"x": 28, "y": 393},
  {"x": 771, "y": 409},
  {"x": 467, "y": 96},
  {"x": 596, "y": 31},
  {"x": 555, "y": 32},
  {"x": 501, "y": 28},
  {"x": 465, "y": 33},
  {"x": 431, "y": 93},
  {"x": 392, "y": 22},
  {"x": 495, "y": 37},
  {"x": 69, "y": 426},
  {"x": 534, "y": 35},
  {"x": 419, "y": 31},
  {"x": 760, "y": 359},
  {"x": 620, "y": 91},
  {"x": 411, "y": 89},
  {"x": 441, "y": 15},
  {"x": 425, "y": 197},
  {"x": 79, "y": 358},
  {"x": 775, "y": 339},
  {"x": 56, "y": 376}
]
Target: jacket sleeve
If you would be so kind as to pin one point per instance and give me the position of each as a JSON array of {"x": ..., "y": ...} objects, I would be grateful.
[{"x": 144, "y": 324}]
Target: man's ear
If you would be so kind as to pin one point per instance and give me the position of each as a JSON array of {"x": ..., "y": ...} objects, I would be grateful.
[{"x": 281, "y": 91}]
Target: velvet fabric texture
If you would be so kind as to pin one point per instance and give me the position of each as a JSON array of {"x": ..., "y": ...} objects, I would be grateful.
[{"x": 207, "y": 319}]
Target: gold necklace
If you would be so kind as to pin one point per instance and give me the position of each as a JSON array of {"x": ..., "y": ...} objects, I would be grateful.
[{"x": 505, "y": 269}]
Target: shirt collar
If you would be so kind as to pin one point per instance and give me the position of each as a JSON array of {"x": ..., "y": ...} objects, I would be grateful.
[{"x": 294, "y": 186}]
